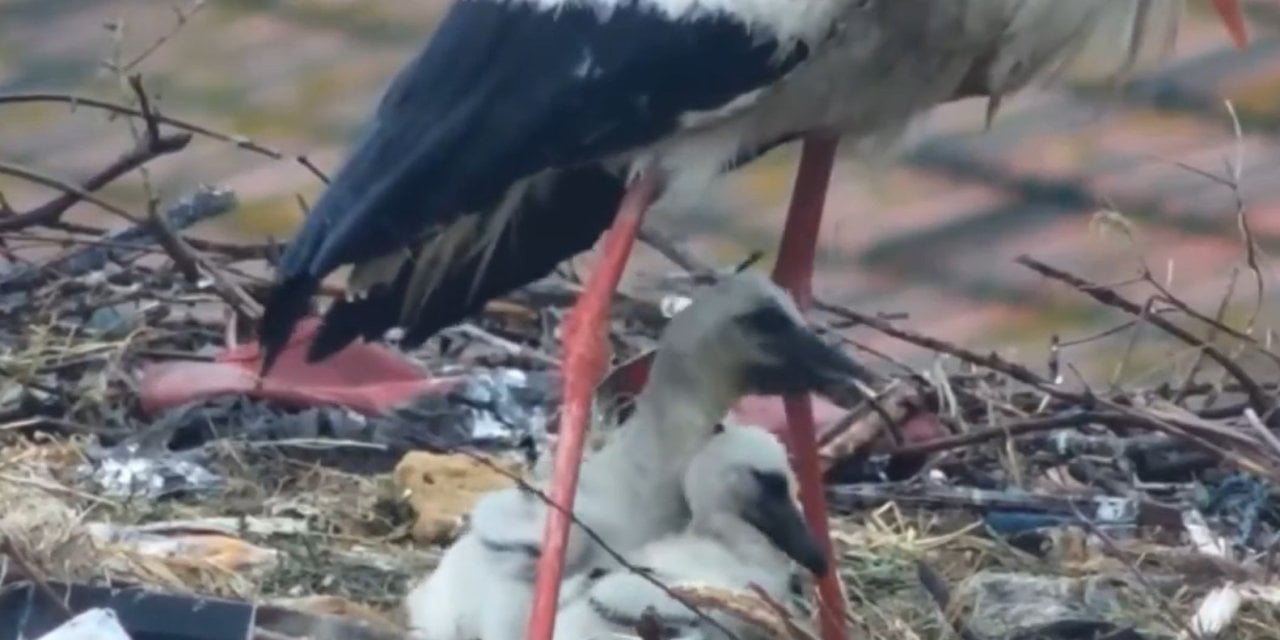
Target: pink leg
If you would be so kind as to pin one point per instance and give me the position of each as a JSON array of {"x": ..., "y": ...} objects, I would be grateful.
[
  {"x": 586, "y": 355},
  {"x": 794, "y": 271},
  {"x": 1233, "y": 19}
]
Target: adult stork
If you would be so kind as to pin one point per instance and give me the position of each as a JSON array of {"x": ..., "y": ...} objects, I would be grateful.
[{"x": 526, "y": 128}]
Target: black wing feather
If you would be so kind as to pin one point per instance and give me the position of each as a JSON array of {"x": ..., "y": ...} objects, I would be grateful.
[
  {"x": 528, "y": 250},
  {"x": 503, "y": 90}
]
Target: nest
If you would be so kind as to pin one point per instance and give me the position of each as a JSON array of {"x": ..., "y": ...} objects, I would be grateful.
[{"x": 966, "y": 494}]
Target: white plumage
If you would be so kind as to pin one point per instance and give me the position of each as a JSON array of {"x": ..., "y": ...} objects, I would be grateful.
[
  {"x": 891, "y": 60},
  {"x": 743, "y": 335},
  {"x": 787, "y": 20},
  {"x": 728, "y": 544}
]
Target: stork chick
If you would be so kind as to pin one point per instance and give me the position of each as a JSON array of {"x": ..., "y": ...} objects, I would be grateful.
[
  {"x": 742, "y": 336},
  {"x": 745, "y": 530}
]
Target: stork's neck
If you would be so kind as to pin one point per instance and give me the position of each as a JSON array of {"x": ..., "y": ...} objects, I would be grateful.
[{"x": 682, "y": 403}]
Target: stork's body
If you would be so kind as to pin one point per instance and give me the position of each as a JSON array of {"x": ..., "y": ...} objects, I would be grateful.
[
  {"x": 504, "y": 148},
  {"x": 510, "y": 142}
]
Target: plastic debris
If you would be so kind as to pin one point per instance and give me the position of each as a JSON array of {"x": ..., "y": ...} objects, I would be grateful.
[
  {"x": 25, "y": 612},
  {"x": 94, "y": 624},
  {"x": 500, "y": 407},
  {"x": 1215, "y": 614},
  {"x": 670, "y": 305},
  {"x": 1013, "y": 605},
  {"x": 1238, "y": 502},
  {"x": 486, "y": 407},
  {"x": 132, "y": 471},
  {"x": 505, "y": 403},
  {"x": 112, "y": 322}
]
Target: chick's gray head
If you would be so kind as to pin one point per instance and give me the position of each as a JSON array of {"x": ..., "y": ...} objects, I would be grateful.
[{"x": 749, "y": 331}]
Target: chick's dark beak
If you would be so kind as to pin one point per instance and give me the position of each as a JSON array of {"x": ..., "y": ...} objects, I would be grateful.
[
  {"x": 803, "y": 363},
  {"x": 780, "y": 521}
]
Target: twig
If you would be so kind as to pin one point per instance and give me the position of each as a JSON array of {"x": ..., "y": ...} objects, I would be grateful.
[
  {"x": 990, "y": 361},
  {"x": 667, "y": 246},
  {"x": 191, "y": 264},
  {"x": 1131, "y": 345},
  {"x": 1009, "y": 430},
  {"x": 75, "y": 193},
  {"x": 182, "y": 17},
  {"x": 701, "y": 270},
  {"x": 37, "y": 579},
  {"x": 205, "y": 203},
  {"x": 134, "y": 158},
  {"x": 938, "y": 591},
  {"x": 181, "y": 253},
  {"x": 1215, "y": 321},
  {"x": 106, "y": 105},
  {"x": 1258, "y": 398},
  {"x": 781, "y": 612},
  {"x": 311, "y": 166},
  {"x": 1215, "y": 325},
  {"x": 511, "y": 348},
  {"x": 54, "y": 488},
  {"x": 1114, "y": 551},
  {"x": 1235, "y": 169},
  {"x": 1255, "y": 421}
]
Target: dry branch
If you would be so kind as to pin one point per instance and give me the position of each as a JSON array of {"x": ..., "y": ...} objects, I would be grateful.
[
  {"x": 1258, "y": 398},
  {"x": 205, "y": 203},
  {"x": 112, "y": 107}
]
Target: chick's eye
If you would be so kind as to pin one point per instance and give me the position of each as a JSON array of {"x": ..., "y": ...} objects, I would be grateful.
[
  {"x": 771, "y": 484},
  {"x": 767, "y": 320}
]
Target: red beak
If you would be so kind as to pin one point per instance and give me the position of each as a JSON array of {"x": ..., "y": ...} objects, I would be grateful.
[{"x": 1233, "y": 18}]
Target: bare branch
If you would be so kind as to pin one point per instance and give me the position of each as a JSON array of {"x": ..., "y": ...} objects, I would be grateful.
[
  {"x": 1259, "y": 399},
  {"x": 73, "y": 192},
  {"x": 190, "y": 127}
]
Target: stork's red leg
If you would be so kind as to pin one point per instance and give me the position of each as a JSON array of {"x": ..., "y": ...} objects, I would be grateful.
[
  {"x": 585, "y": 356},
  {"x": 794, "y": 271},
  {"x": 1233, "y": 18}
]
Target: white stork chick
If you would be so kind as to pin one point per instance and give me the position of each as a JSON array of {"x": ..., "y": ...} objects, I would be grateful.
[
  {"x": 745, "y": 530},
  {"x": 741, "y": 336},
  {"x": 504, "y": 146}
]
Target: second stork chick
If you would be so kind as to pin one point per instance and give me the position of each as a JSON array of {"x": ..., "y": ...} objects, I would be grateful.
[{"x": 745, "y": 530}]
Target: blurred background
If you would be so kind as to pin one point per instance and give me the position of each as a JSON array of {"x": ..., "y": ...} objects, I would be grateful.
[{"x": 931, "y": 234}]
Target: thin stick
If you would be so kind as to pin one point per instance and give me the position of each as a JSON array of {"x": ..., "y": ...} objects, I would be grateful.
[{"x": 1258, "y": 398}]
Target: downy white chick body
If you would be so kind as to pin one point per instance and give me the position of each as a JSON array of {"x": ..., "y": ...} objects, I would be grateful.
[
  {"x": 745, "y": 530},
  {"x": 742, "y": 336}
]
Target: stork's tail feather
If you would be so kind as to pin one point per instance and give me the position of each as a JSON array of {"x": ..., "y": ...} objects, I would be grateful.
[
  {"x": 287, "y": 303},
  {"x": 561, "y": 215},
  {"x": 349, "y": 320}
]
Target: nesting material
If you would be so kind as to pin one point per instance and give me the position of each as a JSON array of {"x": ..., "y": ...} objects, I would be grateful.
[
  {"x": 442, "y": 489},
  {"x": 1007, "y": 605}
]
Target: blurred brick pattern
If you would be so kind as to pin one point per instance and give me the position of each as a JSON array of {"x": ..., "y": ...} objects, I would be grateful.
[{"x": 932, "y": 235}]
